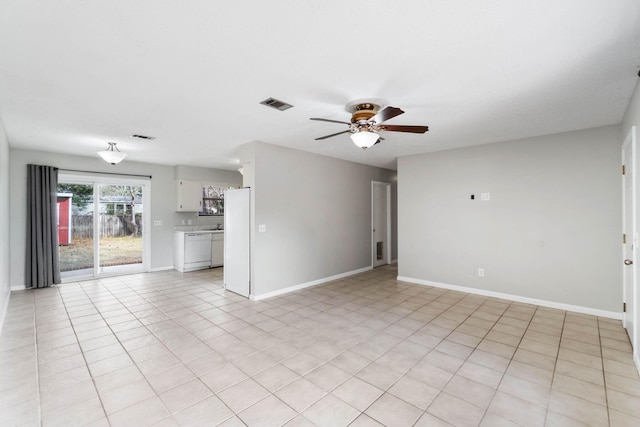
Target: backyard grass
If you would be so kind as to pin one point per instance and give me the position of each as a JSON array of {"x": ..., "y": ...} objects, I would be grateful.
[{"x": 113, "y": 251}]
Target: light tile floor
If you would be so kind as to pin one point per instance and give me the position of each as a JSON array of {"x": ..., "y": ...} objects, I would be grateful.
[{"x": 172, "y": 349}]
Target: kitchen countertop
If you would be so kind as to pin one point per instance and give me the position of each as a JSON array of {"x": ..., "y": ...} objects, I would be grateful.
[
  {"x": 200, "y": 231},
  {"x": 196, "y": 229}
]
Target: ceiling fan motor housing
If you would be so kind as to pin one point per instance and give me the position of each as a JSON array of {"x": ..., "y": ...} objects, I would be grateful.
[
  {"x": 363, "y": 112},
  {"x": 367, "y": 117}
]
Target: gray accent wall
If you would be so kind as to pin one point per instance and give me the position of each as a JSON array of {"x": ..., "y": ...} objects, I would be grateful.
[
  {"x": 551, "y": 230},
  {"x": 5, "y": 283},
  {"x": 317, "y": 213}
]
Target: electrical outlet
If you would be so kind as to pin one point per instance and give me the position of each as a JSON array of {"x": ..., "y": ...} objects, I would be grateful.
[
  {"x": 184, "y": 222},
  {"x": 481, "y": 272},
  {"x": 188, "y": 222},
  {"x": 262, "y": 228},
  {"x": 485, "y": 196}
]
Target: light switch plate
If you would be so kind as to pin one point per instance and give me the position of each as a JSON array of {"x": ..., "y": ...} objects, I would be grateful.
[
  {"x": 157, "y": 222},
  {"x": 485, "y": 196},
  {"x": 262, "y": 228}
]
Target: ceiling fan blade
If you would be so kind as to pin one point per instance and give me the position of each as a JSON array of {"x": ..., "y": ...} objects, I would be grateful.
[
  {"x": 330, "y": 121},
  {"x": 379, "y": 140},
  {"x": 386, "y": 114},
  {"x": 333, "y": 134},
  {"x": 411, "y": 129}
]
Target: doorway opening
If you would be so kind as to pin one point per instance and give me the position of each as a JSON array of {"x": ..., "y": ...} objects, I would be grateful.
[
  {"x": 380, "y": 223},
  {"x": 101, "y": 226}
]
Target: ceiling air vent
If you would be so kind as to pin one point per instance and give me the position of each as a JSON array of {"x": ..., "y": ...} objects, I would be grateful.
[
  {"x": 145, "y": 137},
  {"x": 277, "y": 104}
]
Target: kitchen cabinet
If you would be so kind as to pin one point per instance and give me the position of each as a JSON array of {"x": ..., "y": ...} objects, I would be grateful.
[
  {"x": 189, "y": 195},
  {"x": 217, "y": 249}
]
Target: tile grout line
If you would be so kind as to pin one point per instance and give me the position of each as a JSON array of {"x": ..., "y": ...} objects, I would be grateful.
[
  {"x": 181, "y": 361},
  {"x": 444, "y": 338},
  {"x": 511, "y": 358},
  {"x": 82, "y": 352},
  {"x": 35, "y": 342},
  {"x": 354, "y": 310},
  {"x": 431, "y": 350},
  {"x": 553, "y": 375},
  {"x": 604, "y": 376},
  {"x": 127, "y": 352}
]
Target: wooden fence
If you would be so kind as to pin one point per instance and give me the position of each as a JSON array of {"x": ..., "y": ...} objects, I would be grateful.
[{"x": 110, "y": 226}]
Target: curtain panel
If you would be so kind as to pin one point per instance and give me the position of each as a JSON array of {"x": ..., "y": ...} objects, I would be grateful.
[{"x": 42, "y": 227}]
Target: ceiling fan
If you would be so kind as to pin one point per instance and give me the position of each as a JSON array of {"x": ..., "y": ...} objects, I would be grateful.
[{"x": 367, "y": 121}]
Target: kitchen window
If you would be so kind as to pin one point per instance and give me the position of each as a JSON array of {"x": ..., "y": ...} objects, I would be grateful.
[{"x": 213, "y": 199}]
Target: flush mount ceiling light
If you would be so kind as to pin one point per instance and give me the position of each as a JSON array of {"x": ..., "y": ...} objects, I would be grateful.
[{"x": 112, "y": 154}]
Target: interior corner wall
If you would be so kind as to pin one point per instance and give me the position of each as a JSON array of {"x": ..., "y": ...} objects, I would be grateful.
[
  {"x": 317, "y": 213},
  {"x": 632, "y": 114},
  {"x": 550, "y": 231},
  {"x": 5, "y": 277}
]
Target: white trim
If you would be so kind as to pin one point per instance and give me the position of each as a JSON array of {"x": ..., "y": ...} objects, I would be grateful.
[
  {"x": 168, "y": 267},
  {"x": 387, "y": 192},
  {"x": 394, "y": 261},
  {"x": 629, "y": 226},
  {"x": 95, "y": 179},
  {"x": 308, "y": 284},
  {"x": 4, "y": 312},
  {"x": 18, "y": 288},
  {"x": 517, "y": 298}
]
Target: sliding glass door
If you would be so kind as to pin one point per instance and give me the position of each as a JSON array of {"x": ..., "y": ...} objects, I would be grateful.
[
  {"x": 101, "y": 225},
  {"x": 75, "y": 228}
]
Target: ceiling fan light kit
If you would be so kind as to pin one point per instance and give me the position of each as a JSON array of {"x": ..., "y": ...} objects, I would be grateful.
[
  {"x": 364, "y": 138},
  {"x": 112, "y": 154},
  {"x": 367, "y": 121}
]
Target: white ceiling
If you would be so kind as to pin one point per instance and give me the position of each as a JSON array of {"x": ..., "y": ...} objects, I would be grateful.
[{"x": 75, "y": 74}]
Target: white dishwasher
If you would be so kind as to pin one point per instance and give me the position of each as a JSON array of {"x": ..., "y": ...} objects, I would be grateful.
[{"x": 192, "y": 251}]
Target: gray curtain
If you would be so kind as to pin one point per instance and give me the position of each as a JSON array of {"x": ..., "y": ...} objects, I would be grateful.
[{"x": 42, "y": 227}]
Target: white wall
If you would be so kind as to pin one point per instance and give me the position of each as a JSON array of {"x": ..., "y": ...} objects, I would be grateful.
[
  {"x": 551, "y": 230},
  {"x": 163, "y": 201},
  {"x": 5, "y": 283},
  {"x": 632, "y": 115},
  {"x": 317, "y": 212}
]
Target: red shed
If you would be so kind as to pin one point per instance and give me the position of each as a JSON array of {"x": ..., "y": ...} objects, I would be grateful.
[{"x": 64, "y": 218}]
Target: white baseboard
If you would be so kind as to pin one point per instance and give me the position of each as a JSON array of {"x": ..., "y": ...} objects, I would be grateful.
[
  {"x": 308, "y": 284},
  {"x": 170, "y": 267},
  {"x": 517, "y": 298},
  {"x": 394, "y": 261},
  {"x": 3, "y": 313}
]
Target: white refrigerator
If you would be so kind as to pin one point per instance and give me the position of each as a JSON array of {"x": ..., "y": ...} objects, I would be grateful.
[{"x": 237, "y": 227}]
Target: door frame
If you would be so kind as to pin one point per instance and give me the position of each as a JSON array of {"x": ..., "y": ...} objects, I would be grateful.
[
  {"x": 387, "y": 185},
  {"x": 629, "y": 227},
  {"x": 96, "y": 180}
]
